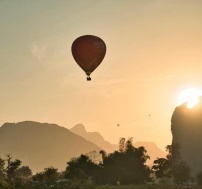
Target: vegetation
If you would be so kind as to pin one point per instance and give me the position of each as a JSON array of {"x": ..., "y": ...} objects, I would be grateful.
[
  {"x": 172, "y": 167},
  {"x": 126, "y": 166},
  {"x": 122, "y": 169}
]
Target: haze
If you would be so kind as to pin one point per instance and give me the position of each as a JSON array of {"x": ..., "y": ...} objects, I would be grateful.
[{"x": 153, "y": 53}]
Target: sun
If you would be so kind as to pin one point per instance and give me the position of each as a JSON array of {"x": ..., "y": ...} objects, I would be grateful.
[{"x": 190, "y": 96}]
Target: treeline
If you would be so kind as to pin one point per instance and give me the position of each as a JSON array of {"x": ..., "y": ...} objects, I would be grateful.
[{"x": 122, "y": 167}]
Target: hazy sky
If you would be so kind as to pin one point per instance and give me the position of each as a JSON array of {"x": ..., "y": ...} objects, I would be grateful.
[{"x": 153, "y": 53}]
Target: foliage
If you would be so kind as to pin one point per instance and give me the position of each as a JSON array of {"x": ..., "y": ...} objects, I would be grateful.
[
  {"x": 24, "y": 172},
  {"x": 80, "y": 169},
  {"x": 39, "y": 177},
  {"x": 11, "y": 168},
  {"x": 51, "y": 174},
  {"x": 48, "y": 176},
  {"x": 172, "y": 166},
  {"x": 94, "y": 156},
  {"x": 161, "y": 168},
  {"x": 127, "y": 166},
  {"x": 11, "y": 174},
  {"x": 179, "y": 168},
  {"x": 2, "y": 171},
  {"x": 122, "y": 144}
]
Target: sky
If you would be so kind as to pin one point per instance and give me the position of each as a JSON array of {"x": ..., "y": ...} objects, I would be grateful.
[{"x": 153, "y": 54}]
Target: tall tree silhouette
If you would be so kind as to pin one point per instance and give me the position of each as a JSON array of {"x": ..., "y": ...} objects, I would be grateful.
[
  {"x": 24, "y": 172},
  {"x": 80, "y": 169},
  {"x": 126, "y": 165},
  {"x": 172, "y": 166},
  {"x": 2, "y": 170},
  {"x": 11, "y": 168}
]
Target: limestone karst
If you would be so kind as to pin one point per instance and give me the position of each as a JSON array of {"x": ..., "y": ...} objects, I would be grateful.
[{"x": 186, "y": 128}]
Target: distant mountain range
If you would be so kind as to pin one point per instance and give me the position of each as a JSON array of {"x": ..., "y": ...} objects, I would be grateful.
[
  {"x": 94, "y": 137},
  {"x": 40, "y": 145},
  {"x": 98, "y": 139}
]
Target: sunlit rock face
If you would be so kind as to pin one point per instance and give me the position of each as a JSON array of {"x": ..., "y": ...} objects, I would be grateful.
[{"x": 186, "y": 127}]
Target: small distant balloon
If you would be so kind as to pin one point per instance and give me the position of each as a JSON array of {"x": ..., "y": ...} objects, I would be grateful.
[{"x": 88, "y": 52}]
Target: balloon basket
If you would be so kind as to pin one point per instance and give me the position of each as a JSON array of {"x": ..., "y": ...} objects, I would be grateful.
[{"x": 88, "y": 79}]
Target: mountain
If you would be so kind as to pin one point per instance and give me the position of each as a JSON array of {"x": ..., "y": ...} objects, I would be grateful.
[
  {"x": 40, "y": 145},
  {"x": 186, "y": 127},
  {"x": 94, "y": 137},
  {"x": 98, "y": 139}
]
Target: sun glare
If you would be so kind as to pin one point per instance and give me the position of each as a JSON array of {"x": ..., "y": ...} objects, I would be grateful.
[{"x": 190, "y": 96}]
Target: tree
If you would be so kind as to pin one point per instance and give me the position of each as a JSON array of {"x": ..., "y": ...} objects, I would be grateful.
[
  {"x": 24, "y": 172},
  {"x": 122, "y": 144},
  {"x": 39, "y": 177},
  {"x": 48, "y": 176},
  {"x": 12, "y": 166},
  {"x": 77, "y": 176},
  {"x": 180, "y": 170},
  {"x": 161, "y": 168},
  {"x": 2, "y": 170},
  {"x": 94, "y": 156},
  {"x": 126, "y": 165},
  {"x": 172, "y": 166},
  {"x": 134, "y": 163},
  {"x": 80, "y": 169},
  {"x": 51, "y": 174},
  {"x": 103, "y": 154}
]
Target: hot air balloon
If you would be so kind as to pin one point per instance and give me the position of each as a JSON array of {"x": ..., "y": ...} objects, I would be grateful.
[{"x": 88, "y": 52}]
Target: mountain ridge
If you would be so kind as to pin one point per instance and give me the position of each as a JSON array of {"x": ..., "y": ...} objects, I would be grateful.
[
  {"x": 94, "y": 137},
  {"x": 98, "y": 139},
  {"x": 40, "y": 145}
]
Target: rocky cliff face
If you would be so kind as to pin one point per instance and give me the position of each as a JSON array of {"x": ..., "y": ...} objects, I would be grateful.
[{"x": 186, "y": 127}]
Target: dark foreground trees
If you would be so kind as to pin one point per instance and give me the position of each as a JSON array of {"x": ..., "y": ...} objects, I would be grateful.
[
  {"x": 173, "y": 166},
  {"x": 126, "y": 166},
  {"x": 81, "y": 169},
  {"x": 12, "y": 175},
  {"x": 49, "y": 176}
]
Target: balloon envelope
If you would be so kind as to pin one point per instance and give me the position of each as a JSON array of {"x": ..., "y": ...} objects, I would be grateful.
[{"x": 88, "y": 51}]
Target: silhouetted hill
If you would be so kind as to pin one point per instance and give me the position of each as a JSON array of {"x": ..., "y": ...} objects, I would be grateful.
[
  {"x": 94, "y": 137},
  {"x": 186, "y": 127},
  {"x": 98, "y": 139},
  {"x": 40, "y": 145}
]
